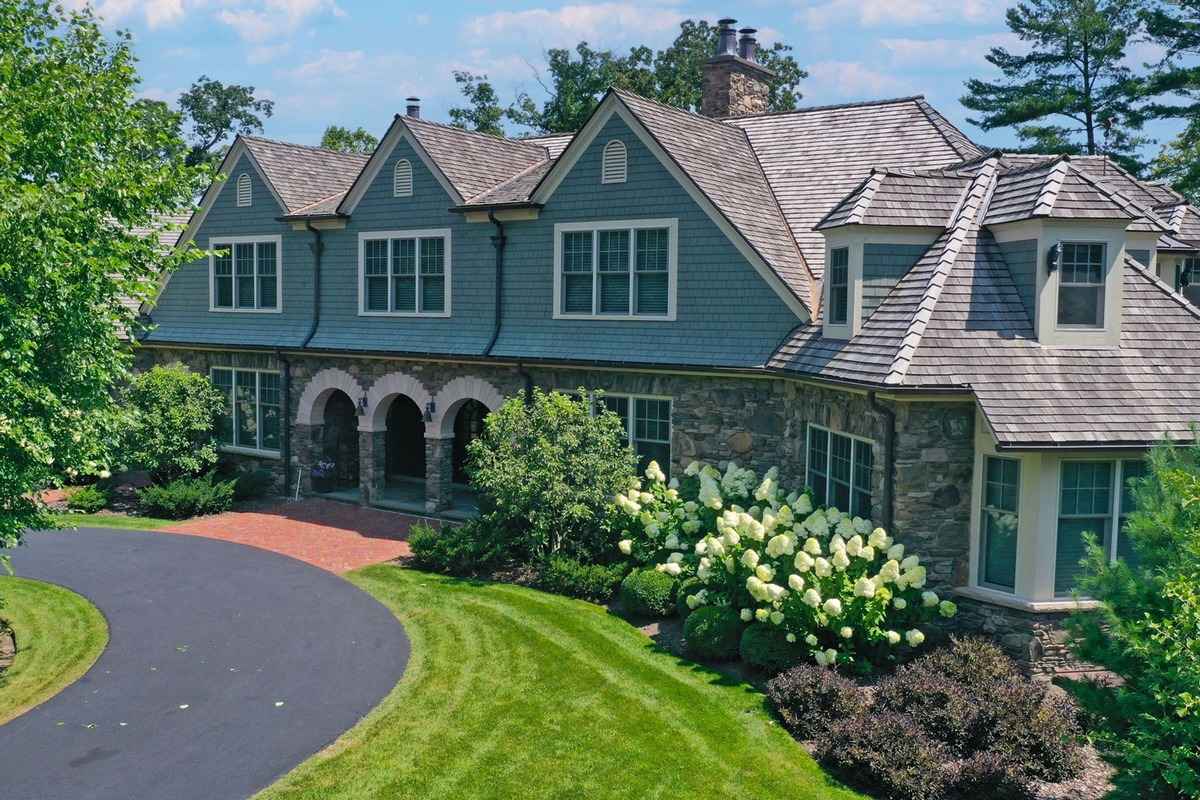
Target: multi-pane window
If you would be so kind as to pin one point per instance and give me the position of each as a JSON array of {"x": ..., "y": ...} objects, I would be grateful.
[
  {"x": 1187, "y": 279},
  {"x": 839, "y": 471},
  {"x": 647, "y": 423},
  {"x": 999, "y": 522},
  {"x": 405, "y": 274},
  {"x": 245, "y": 275},
  {"x": 1095, "y": 498},
  {"x": 839, "y": 285},
  {"x": 252, "y": 408},
  {"x": 616, "y": 269},
  {"x": 1081, "y": 285}
]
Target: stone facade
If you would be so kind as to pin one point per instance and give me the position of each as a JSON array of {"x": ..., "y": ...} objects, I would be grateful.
[
  {"x": 1037, "y": 641},
  {"x": 732, "y": 86},
  {"x": 757, "y": 422}
]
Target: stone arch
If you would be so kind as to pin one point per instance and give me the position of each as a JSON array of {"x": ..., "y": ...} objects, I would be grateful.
[
  {"x": 453, "y": 395},
  {"x": 381, "y": 393},
  {"x": 311, "y": 408}
]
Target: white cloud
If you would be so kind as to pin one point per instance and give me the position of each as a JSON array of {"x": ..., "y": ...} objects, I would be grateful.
[
  {"x": 261, "y": 20},
  {"x": 155, "y": 13},
  {"x": 598, "y": 23},
  {"x": 330, "y": 63},
  {"x": 830, "y": 81},
  {"x": 942, "y": 53},
  {"x": 824, "y": 13}
]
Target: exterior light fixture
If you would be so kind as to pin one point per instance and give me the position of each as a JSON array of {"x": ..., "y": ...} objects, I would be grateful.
[
  {"x": 362, "y": 405},
  {"x": 430, "y": 409}
]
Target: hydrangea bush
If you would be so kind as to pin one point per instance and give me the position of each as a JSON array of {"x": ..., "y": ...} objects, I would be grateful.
[{"x": 834, "y": 583}]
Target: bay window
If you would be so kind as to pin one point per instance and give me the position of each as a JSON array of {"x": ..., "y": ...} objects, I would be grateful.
[
  {"x": 1094, "y": 497},
  {"x": 404, "y": 273},
  {"x": 615, "y": 270},
  {"x": 1000, "y": 521}
]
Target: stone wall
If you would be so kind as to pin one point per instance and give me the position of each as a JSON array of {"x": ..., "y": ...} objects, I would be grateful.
[
  {"x": 731, "y": 87},
  {"x": 1037, "y": 641}
]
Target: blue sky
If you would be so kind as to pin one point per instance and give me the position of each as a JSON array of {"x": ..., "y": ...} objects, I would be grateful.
[{"x": 352, "y": 62}]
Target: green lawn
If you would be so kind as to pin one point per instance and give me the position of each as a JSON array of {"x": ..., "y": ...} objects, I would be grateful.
[
  {"x": 59, "y": 636},
  {"x": 512, "y": 693},
  {"x": 112, "y": 521}
]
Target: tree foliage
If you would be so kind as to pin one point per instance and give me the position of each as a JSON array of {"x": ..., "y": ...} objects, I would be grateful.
[
  {"x": 1071, "y": 91},
  {"x": 1147, "y": 631},
  {"x": 344, "y": 140},
  {"x": 74, "y": 183},
  {"x": 1174, "y": 86},
  {"x": 174, "y": 417},
  {"x": 578, "y": 79},
  {"x": 216, "y": 111},
  {"x": 483, "y": 113}
]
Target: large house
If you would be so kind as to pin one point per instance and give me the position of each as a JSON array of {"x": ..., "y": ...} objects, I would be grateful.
[{"x": 974, "y": 348}]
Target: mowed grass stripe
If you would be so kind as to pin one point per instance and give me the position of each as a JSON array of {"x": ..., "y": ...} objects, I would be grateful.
[{"x": 512, "y": 693}]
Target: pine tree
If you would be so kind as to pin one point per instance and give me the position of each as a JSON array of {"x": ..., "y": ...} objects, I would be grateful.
[{"x": 1175, "y": 86}]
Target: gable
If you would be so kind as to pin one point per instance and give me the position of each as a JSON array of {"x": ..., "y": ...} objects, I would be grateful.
[{"x": 427, "y": 187}]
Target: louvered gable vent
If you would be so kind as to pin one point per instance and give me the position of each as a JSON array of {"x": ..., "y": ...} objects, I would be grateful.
[
  {"x": 615, "y": 167},
  {"x": 243, "y": 190},
  {"x": 402, "y": 179}
]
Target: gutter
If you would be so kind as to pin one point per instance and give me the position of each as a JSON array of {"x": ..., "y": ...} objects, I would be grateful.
[
  {"x": 498, "y": 241},
  {"x": 889, "y": 479},
  {"x": 317, "y": 247}
]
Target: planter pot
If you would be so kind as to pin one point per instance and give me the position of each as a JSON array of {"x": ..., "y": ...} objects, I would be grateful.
[{"x": 322, "y": 485}]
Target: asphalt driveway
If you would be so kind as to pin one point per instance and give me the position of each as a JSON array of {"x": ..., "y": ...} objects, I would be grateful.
[{"x": 226, "y": 666}]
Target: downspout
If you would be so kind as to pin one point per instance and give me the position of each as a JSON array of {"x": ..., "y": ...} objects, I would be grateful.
[
  {"x": 498, "y": 241},
  {"x": 889, "y": 480},
  {"x": 316, "y": 247}
]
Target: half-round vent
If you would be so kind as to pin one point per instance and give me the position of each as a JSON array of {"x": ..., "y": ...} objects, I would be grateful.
[
  {"x": 402, "y": 179},
  {"x": 243, "y": 190},
  {"x": 614, "y": 168}
]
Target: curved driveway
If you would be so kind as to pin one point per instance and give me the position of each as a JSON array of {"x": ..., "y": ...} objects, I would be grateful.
[{"x": 226, "y": 666}]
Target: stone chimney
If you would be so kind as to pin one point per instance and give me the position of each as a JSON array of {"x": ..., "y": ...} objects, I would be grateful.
[
  {"x": 734, "y": 82},
  {"x": 413, "y": 107}
]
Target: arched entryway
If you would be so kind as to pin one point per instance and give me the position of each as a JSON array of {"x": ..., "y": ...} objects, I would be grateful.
[
  {"x": 404, "y": 443},
  {"x": 468, "y": 426},
  {"x": 339, "y": 439}
]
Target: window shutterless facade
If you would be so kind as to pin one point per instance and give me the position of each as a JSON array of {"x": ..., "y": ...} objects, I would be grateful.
[
  {"x": 839, "y": 286},
  {"x": 1094, "y": 497},
  {"x": 648, "y": 425},
  {"x": 616, "y": 270},
  {"x": 999, "y": 523},
  {"x": 245, "y": 274},
  {"x": 1081, "y": 272},
  {"x": 404, "y": 273},
  {"x": 839, "y": 470},
  {"x": 253, "y": 418}
]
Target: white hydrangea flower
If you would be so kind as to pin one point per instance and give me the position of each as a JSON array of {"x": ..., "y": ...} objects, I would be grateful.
[
  {"x": 675, "y": 558},
  {"x": 846, "y": 632},
  {"x": 867, "y": 553},
  {"x": 864, "y": 587},
  {"x": 781, "y": 545},
  {"x": 947, "y": 609},
  {"x": 765, "y": 572},
  {"x": 746, "y": 615},
  {"x": 802, "y": 505},
  {"x": 652, "y": 529},
  {"x": 915, "y": 577},
  {"x": 791, "y": 638},
  {"x": 817, "y": 524},
  {"x": 841, "y": 560},
  {"x": 854, "y": 545},
  {"x": 691, "y": 507},
  {"x": 812, "y": 598},
  {"x": 692, "y": 468},
  {"x": 890, "y": 571},
  {"x": 646, "y": 497},
  {"x": 795, "y": 582},
  {"x": 663, "y": 516},
  {"x": 803, "y": 561},
  {"x": 775, "y": 592},
  {"x": 893, "y": 638},
  {"x": 625, "y": 546},
  {"x": 761, "y": 614},
  {"x": 671, "y": 542},
  {"x": 750, "y": 558},
  {"x": 910, "y": 562},
  {"x": 755, "y": 587},
  {"x": 836, "y": 543},
  {"x": 716, "y": 547},
  {"x": 900, "y": 603},
  {"x": 895, "y": 552},
  {"x": 833, "y": 515},
  {"x": 833, "y": 607},
  {"x": 691, "y": 526},
  {"x": 929, "y": 599},
  {"x": 692, "y": 601},
  {"x": 655, "y": 473},
  {"x": 701, "y": 547},
  {"x": 812, "y": 546},
  {"x": 820, "y": 658},
  {"x": 845, "y": 527},
  {"x": 671, "y": 568},
  {"x": 822, "y": 567},
  {"x": 831, "y": 656},
  {"x": 914, "y": 638},
  {"x": 810, "y": 640},
  {"x": 673, "y": 484},
  {"x": 776, "y": 617}
]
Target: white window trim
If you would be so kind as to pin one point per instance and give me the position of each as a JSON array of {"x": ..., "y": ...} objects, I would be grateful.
[
  {"x": 614, "y": 145},
  {"x": 422, "y": 233},
  {"x": 242, "y": 449},
  {"x": 977, "y": 578},
  {"x": 244, "y": 180},
  {"x": 212, "y": 275},
  {"x": 396, "y": 189},
  {"x": 672, "y": 225},
  {"x": 631, "y": 423},
  {"x": 1103, "y": 286},
  {"x": 845, "y": 323},
  {"x": 829, "y": 456}
]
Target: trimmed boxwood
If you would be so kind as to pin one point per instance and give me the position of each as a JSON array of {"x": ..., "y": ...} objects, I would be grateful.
[
  {"x": 648, "y": 593},
  {"x": 566, "y": 576},
  {"x": 712, "y": 633},
  {"x": 767, "y": 648},
  {"x": 687, "y": 588}
]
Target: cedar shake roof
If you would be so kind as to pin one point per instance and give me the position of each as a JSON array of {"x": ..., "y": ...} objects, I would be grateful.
[
  {"x": 475, "y": 163},
  {"x": 303, "y": 175},
  {"x": 901, "y": 197}
]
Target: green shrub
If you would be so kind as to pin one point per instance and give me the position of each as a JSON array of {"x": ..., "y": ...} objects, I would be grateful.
[
  {"x": 687, "y": 588},
  {"x": 1145, "y": 631},
  {"x": 252, "y": 484},
  {"x": 462, "y": 550},
  {"x": 174, "y": 414},
  {"x": 547, "y": 472},
  {"x": 766, "y": 647},
  {"x": 593, "y": 582},
  {"x": 887, "y": 754},
  {"x": 811, "y": 700},
  {"x": 648, "y": 593},
  {"x": 88, "y": 500},
  {"x": 187, "y": 497},
  {"x": 712, "y": 633}
]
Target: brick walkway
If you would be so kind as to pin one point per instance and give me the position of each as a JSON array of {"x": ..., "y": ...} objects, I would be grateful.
[{"x": 337, "y": 537}]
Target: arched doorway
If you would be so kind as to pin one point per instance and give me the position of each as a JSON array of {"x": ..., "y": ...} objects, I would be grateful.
[
  {"x": 404, "y": 445},
  {"x": 468, "y": 426},
  {"x": 339, "y": 439}
]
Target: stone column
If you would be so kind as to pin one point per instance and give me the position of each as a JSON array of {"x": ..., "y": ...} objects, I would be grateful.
[
  {"x": 306, "y": 451},
  {"x": 372, "y": 465},
  {"x": 439, "y": 472}
]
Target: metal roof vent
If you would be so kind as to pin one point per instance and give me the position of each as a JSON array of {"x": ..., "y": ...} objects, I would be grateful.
[
  {"x": 413, "y": 109},
  {"x": 726, "y": 37}
]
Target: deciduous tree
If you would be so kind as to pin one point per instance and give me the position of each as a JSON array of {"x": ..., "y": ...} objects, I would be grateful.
[
  {"x": 217, "y": 111},
  {"x": 344, "y": 140},
  {"x": 483, "y": 114}
]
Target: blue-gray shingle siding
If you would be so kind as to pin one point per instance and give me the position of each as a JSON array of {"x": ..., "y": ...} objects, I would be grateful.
[
  {"x": 883, "y": 267},
  {"x": 1021, "y": 257}
]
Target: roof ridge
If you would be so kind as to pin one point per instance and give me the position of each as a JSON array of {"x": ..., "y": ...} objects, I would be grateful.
[
  {"x": 509, "y": 179},
  {"x": 828, "y": 107},
  {"x": 983, "y": 185},
  {"x": 454, "y": 128},
  {"x": 714, "y": 121},
  {"x": 1051, "y": 185},
  {"x": 316, "y": 202},
  {"x": 1157, "y": 282},
  {"x": 1118, "y": 197},
  {"x": 865, "y": 197},
  {"x": 940, "y": 124},
  {"x": 318, "y": 148}
]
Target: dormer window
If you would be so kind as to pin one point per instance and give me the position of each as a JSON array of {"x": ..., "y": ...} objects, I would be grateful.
[
  {"x": 402, "y": 184},
  {"x": 615, "y": 166},
  {"x": 839, "y": 285},
  {"x": 1081, "y": 285},
  {"x": 243, "y": 190}
]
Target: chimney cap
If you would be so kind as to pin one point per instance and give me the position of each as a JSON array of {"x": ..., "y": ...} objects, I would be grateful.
[
  {"x": 413, "y": 107},
  {"x": 727, "y": 22}
]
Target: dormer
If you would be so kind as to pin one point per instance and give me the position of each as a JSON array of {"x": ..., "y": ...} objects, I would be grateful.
[
  {"x": 1065, "y": 238},
  {"x": 875, "y": 235}
]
